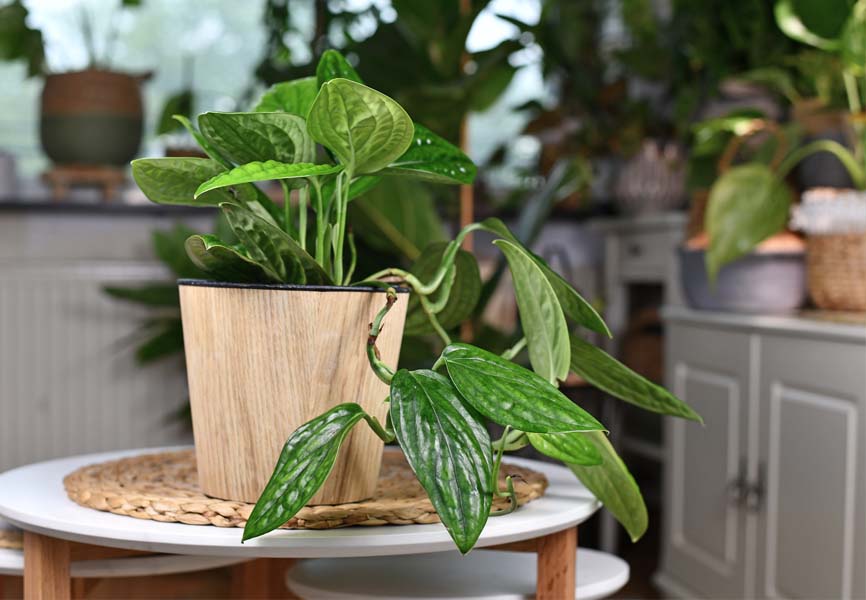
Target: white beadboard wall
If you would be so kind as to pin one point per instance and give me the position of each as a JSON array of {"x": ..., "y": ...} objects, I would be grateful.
[{"x": 69, "y": 383}]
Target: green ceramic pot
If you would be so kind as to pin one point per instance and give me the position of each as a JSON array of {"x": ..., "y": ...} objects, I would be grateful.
[{"x": 91, "y": 117}]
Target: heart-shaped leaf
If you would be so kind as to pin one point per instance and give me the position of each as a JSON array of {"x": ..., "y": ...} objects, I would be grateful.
[
  {"x": 614, "y": 486},
  {"x": 573, "y": 304},
  {"x": 302, "y": 468},
  {"x": 540, "y": 313},
  {"x": 294, "y": 97},
  {"x": 432, "y": 158},
  {"x": 464, "y": 295},
  {"x": 175, "y": 180},
  {"x": 265, "y": 171},
  {"x": 333, "y": 65},
  {"x": 276, "y": 246},
  {"x": 201, "y": 141},
  {"x": 250, "y": 137},
  {"x": 227, "y": 263},
  {"x": 611, "y": 376},
  {"x": 567, "y": 447},
  {"x": 447, "y": 448},
  {"x": 508, "y": 394},
  {"x": 746, "y": 205},
  {"x": 262, "y": 244},
  {"x": 365, "y": 129}
]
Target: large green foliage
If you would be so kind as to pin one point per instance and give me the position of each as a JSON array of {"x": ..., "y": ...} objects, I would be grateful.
[{"x": 437, "y": 416}]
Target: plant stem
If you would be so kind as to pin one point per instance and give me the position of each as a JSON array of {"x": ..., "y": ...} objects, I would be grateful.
[
  {"x": 287, "y": 206},
  {"x": 447, "y": 261},
  {"x": 384, "y": 434},
  {"x": 431, "y": 316},
  {"x": 854, "y": 104},
  {"x": 838, "y": 150},
  {"x": 353, "y": 258},
  {"x": 342, "y": 200},
  {"x": 515, "y": 349},
  {"x": 320, "y": 222},
  {"x": 303, "y": 196},
  {"x": 382, "y": 371}
]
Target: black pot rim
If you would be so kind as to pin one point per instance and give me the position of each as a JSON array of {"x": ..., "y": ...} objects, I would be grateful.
[
  {"x": 287, "y": 287},
  {"x": 752, "y": 254}
]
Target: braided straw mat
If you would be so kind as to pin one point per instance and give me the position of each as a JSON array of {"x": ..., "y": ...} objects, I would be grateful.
[
  {"x": 10, "y": 538},
  {"x": 164, "y": 487}
]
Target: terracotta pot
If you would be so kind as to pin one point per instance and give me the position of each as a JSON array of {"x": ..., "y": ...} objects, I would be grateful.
[
  {"x": 91, "y": 117},
  {"x": 262, "y": 360}
]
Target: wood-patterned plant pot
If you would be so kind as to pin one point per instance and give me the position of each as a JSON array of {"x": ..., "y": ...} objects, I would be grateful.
[{"x": 262, "y": 360}]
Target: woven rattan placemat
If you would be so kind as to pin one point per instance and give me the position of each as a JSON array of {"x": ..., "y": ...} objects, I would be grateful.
[{"x": 164, "y": 487}]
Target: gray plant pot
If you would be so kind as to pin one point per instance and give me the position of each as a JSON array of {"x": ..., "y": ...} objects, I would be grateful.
[{"x": 770, "y": 283}]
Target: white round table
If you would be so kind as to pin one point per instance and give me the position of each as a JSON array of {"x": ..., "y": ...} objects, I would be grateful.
[{"x": 33, "y": 498}]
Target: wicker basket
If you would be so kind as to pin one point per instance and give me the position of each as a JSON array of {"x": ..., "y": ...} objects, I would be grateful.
[{"x": 836, "y": 270}]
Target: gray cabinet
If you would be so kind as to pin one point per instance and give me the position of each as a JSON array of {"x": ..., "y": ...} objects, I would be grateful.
[{"x": 767, "y": 500}]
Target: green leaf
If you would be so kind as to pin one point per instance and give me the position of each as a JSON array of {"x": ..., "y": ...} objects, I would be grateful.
[
  {"x": 302, "y": 468},
  {"x": 447, "y": 448},
  {"x": 154, "y": 294},
  {"x": 166, "y": 342},
  {"x": 201, "y": 141},
  {"x": 264, "y": 171},
  {"x": 227, "y": 263},
  {"x": 399, "y": 217},
  {"x": 170, "y": 247},
  {"x": 511, "y": 395},
  {"x": 276, "y": 245},
  {"x": 175, "y": 180},
  {"x": 792, "y": 26},
  {"x": 746, "y": 205},
  {"x": 540, "y": 313},
  {"x": 251, "y": 137},
  {"x": 853, "y": 43},
  {"x": 567, "y": 447},
  {"x": 294, "y": 97},
  {"x": 611, "y": 376},
  {"x": 364, "y": 128},
  {"x": 434, "y": 159},
  {"x": 614, "y": 486},
  {"x": 179, "y": 104},
  {"x": 464, "y": 295},
  {"x": 573, "y": 304},
  {"x": 333, "y": 65}
]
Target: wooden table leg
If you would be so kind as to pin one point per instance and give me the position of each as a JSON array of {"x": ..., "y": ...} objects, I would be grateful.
[
  {"x": 556, "y": 566},
  {"x": 261, "y": 578},
  {"x": 46, "y": 568}
]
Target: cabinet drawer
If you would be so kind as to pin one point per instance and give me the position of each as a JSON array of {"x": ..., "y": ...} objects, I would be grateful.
[{"x": 645, "y": 255}]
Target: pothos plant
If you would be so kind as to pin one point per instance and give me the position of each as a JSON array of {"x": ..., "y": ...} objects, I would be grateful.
[
  {"x": 327, "y": 139},
  {"x": 751, "y": 202}
]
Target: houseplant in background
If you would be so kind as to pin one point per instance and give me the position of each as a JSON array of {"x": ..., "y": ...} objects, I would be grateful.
[
  {"x": 751, "y": 202},
  {"x": 286, "y": 322},
  {"x": 771, "y": 277},
  {"x": 88, "y": 117}
]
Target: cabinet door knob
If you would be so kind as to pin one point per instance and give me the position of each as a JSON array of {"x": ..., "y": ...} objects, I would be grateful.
[
  {"x": 738, "y": 488},
  {"x": 756, "y": 491}
]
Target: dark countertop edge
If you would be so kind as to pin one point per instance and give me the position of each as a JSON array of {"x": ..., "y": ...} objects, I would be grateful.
[{"x": 107, "y": 208}]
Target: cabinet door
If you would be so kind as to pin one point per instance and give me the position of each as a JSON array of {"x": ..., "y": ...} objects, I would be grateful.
[
  {"x": 810, "y": 515},
  {"x": 704, "y": 530}
]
